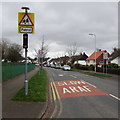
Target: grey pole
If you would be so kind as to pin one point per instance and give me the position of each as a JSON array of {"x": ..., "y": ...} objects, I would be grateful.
[
  {"x": 39, "y": 61},
  {"x": 26, "y": 81},
  {"x": 106, "y": 66},
  {"x": 95, "y": 50},
  {"x": 103, "y": 66}
]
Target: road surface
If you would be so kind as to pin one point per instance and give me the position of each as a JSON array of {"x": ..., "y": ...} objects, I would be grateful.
[{"x": 77, "y": 95}]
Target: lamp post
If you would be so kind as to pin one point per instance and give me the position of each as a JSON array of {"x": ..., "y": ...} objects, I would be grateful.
[{"x": 95, "y": 49}]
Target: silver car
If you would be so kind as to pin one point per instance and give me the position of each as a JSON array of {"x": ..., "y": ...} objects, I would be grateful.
[{"x": 66, "y": 67}]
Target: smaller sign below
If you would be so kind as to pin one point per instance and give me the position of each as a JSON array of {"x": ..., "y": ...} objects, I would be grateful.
[
  {"x": 26, "y": 29},
  {"x": 105, "y": 55},
  {"x": 101, "y": 62},
  {"x": 40, "y": 53}
]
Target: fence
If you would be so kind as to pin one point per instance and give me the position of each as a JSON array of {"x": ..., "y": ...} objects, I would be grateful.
[{"x": 10, "y": 70}]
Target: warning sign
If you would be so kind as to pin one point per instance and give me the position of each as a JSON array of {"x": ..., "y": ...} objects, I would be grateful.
[
  {"x": 26, "y": 22},
  {"x": 76, "y": 88},
  {"x": 105, "y": 55},
  {"x": 40, "y": 53}
]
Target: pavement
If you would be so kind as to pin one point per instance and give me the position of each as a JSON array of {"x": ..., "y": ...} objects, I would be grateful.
[{"x": 13, "y": 109}]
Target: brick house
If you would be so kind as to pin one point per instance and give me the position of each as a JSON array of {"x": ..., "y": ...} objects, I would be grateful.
[{"x": 99, "y": 57}]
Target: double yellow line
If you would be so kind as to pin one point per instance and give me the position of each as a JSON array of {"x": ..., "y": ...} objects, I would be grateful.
[{"x": 54, "y": 91}]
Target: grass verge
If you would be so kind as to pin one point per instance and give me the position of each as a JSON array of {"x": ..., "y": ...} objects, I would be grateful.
[
  {"x": 76, "y": 70},
  {"x": 98, "y": 74},
  {"x": 37, "y": 89}
]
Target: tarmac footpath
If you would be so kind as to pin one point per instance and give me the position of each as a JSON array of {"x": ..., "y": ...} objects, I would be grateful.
[{"x": 14, "y": 109}]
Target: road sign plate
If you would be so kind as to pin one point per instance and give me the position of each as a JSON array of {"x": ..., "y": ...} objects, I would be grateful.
[
  {"x": 76, "y": 88},
  {"x": 26, "y": 29},
  {"x": 101, "y": 62},
  {"x": 25, "y": 22},
  {"x": 40, "y": 53},
  {"x": 105, "y": 55}
]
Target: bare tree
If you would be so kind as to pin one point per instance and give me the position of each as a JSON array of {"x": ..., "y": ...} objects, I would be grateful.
[
  {"x": 72, "y": 51},
  {"x": 44, "y": 47}
]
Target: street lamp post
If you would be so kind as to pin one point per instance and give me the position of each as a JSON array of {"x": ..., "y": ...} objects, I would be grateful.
[{"x": 95, "y": 49}]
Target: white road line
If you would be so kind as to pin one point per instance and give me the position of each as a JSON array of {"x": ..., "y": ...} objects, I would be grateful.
[
  {"x": 73, "y": 76},
  {"x": 91, "y": 84},
  {"x": 61, "y": 75},
  {"x": 114, "y": 97}
]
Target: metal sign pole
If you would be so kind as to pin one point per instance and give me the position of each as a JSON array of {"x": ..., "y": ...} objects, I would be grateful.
[
  {"x": 106, "y": 66},
  {"x": 25, "y": 26},
  {"x": 103, "y": 66},
  {"x": 26, "y": 81},
  {"x": 39, "y": 65},
  {"x": 25, "y": 45}
]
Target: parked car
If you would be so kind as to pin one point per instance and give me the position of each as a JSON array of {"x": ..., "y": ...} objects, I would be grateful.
[
  {"x": 52, "y": 66},
  {"x": 66, "y": 67},
  {"x": 58, "y": 66}
]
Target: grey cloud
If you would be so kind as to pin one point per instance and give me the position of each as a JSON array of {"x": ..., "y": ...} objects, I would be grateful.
[{"x": 64, "y": 23}]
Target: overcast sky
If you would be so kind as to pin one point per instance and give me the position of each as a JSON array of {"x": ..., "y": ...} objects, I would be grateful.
[{"x": 64, "y": 23}]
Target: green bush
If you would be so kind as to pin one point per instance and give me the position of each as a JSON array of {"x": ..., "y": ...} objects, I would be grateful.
[
  {"x": 81, "y": 67},
  {"x": 113, "y": 65}
]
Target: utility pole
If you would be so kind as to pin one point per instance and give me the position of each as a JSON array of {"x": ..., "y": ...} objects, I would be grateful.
[{"x": 95, "y": 51}]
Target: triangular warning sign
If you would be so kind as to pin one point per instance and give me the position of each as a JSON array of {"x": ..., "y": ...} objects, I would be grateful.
[{"x": 26, "y": 21}]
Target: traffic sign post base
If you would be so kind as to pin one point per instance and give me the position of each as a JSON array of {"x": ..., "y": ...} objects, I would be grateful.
[{"x": 26, "y": 87}]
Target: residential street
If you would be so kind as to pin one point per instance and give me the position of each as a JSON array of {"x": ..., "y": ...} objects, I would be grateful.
[{"x": 77, "y": 95}]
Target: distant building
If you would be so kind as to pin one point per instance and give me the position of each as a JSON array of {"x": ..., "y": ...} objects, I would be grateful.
[
  {"x": 116, "y": 61},
  {"x": 81, "y": 59},
  {"x": 99, "y": 58}
]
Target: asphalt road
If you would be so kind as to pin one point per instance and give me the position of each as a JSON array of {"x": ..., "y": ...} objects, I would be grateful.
[{"x": 77, "y": 95}]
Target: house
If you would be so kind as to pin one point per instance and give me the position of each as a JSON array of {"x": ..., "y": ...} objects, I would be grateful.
[
  {"x": 98, "y": 56},
  {"x": 116, "y": 61},
  {"x": 81, "y": 59}
]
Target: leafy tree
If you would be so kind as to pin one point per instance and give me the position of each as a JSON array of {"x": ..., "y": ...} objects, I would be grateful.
[
  {"x": 14, "y": 53},
  {"x": 4, "y": 49}
]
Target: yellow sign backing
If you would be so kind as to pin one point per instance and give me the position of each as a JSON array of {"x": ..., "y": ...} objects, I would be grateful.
[{"x": 25, "y": 22}]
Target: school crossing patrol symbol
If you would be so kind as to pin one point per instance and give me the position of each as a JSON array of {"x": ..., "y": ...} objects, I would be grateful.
[{"x": 25, "y": 22}]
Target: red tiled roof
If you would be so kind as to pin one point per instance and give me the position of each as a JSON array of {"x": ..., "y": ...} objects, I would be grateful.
[{"x": 97, "y": 55}]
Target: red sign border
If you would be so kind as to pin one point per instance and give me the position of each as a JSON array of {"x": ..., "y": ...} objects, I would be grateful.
[{"x": 29, "y": 19}]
